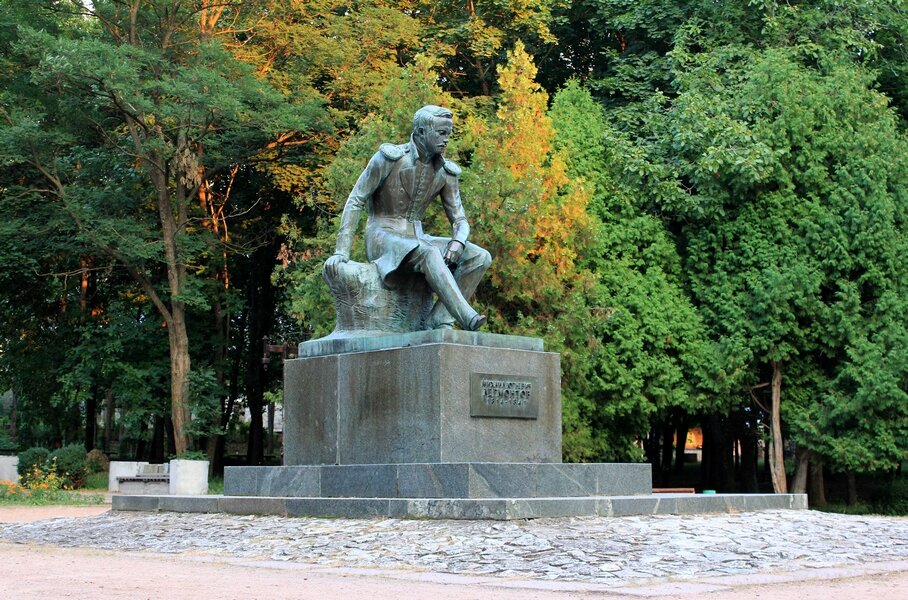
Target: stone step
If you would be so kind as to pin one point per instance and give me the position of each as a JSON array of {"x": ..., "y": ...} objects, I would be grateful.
[
  {"x": 465, "y": 508},
  {"x": 442, "y": 480}
]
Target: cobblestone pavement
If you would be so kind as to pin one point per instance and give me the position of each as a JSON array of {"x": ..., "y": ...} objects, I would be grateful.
[{"x": 609, "y": 551}]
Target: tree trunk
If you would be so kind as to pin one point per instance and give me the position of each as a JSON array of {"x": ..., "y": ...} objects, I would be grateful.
[
  {"x": 261, "y": 314},
  {"x": 171, "y": 445},
  {"x": 157, "y": 440},
  {"x": 14, "y": 418},
  {"x": 776, "y": 454},
  {"x": 680, "y": 445},
  {"x": 141, "y": 443},
  {"x": 211, "y": 206},
  {"x": 852, "y": 488},
  {"x": 179, "y": 378},
  {"x": 727, "y": 455},
  {"x": 271, "y": 429},
  {"x": 817, "y": 492},
  {"x": 717, "y": 455},
  {"x": 749, "y": 460},
  {"x": 173, "y": 218},
  {"x": 73, "y": 429},
  {"x": 706, "y": 456},
  {"x": 215, "y": 445},
  {"x": 108, "y": 420},
  {"x": 653, "y": 456},
  {"x": 255, "y": 450},
  {"x": 91, "y": 417},
  {"x": 667, "y": 451},
  {"x": 799, "y": 481}
]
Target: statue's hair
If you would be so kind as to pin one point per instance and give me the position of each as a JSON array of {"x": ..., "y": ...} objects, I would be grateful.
[{"x": 425, "y": 116}]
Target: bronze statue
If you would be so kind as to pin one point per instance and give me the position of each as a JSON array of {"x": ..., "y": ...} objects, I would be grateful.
[{"x": 395, "y": 189}]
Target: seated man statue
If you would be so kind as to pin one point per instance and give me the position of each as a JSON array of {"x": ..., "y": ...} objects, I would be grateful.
[{"x": 395, "y": 189}]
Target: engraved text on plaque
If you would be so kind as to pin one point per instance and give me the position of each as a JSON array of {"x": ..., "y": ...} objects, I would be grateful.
[{"x": 508, "y": 396}]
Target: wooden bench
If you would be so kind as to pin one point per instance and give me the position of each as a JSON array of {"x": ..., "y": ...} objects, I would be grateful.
[{"x": 151, "y": 480}]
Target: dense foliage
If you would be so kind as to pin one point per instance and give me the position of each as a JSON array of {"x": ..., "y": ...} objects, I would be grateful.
[{"x": 700, "y": 204}]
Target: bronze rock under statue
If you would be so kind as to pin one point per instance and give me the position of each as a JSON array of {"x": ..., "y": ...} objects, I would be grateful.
[{"x": 414, "y": 281}]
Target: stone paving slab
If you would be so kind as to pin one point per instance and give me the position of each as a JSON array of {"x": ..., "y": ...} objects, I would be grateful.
[{"x": 575, "y": 553}]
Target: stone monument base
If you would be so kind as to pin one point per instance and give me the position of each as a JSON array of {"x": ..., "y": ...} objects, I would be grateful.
[
  {"x": 441, "y": 490},
  {"x": 435, "y": 424},
  {"x": 441, "y": 396},
  {"x": 466, "y": 508},
  {"x": 497, "y": 491}
]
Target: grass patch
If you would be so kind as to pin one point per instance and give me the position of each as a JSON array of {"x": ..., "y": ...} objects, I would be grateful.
[
  {"x": 13, "y": 494},
  {"x": 96, "y": 481},
  {"x": 887, "y": 509},
  {"x": 861, "y": 508},
  {"x": 877, "y": 495},
  {"x": 216, "y": 485}
]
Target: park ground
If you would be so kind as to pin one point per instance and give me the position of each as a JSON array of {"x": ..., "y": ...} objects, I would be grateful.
[{"x": 37, "y": 571}]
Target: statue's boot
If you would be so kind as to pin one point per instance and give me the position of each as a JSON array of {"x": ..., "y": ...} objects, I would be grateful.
[
  {"x": 473, "y": 264},
  {"x": 427, "y": 260}
]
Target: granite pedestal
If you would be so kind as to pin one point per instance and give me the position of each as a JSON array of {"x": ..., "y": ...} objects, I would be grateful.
[{"x": 432, "y": 397}]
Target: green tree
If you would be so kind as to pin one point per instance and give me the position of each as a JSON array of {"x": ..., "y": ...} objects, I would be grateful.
[
  {"x": 723, "y": 126},
  {"x": 651, "y": 352},
  {"x": 116, "y": 121},
  {"x": 787, "y": 178},
  {"x": 472, "y": 38},
  {"x": 535, "y": 219}
]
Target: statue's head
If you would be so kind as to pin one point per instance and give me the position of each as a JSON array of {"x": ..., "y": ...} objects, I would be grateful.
[{"x": 432, "y": 127}]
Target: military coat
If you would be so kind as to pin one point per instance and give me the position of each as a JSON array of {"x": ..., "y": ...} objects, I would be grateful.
[{"x": 395, "y": 189}]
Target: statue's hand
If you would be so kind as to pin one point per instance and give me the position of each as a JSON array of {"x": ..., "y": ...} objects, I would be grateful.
[
  {"x": 331, "y": 265},
  {"x": 453, "y": 252}
]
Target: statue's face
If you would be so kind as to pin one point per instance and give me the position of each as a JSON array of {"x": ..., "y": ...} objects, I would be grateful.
[{"x": 434, "y": 139}]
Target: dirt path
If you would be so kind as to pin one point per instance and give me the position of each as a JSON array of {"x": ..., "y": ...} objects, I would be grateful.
[
  {"x": 21, "y": 514},
  {"x": 33, "y": 571}
]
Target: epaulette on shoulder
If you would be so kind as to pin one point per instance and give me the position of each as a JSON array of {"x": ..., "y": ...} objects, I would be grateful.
[
  {"x": 452, "y": 168},
  {"x": 392, "y": 151}
]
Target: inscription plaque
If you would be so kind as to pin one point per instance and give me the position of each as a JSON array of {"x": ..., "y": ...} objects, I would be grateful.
[{"x": 505, "y": 396}]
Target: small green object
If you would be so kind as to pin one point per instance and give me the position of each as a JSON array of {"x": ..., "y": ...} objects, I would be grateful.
[{"x": 709, "y": 491}]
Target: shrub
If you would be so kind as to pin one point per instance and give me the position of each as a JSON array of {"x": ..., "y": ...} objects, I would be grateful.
[
  {"x": 893, "y": 498},
  {"x": 193, "y": 455},
  {"x": 97, "y": 462},
  {"x": 69, "y": 463},
  {"x": 31, "y": 458},
  {"x": 47, "y": 481}
]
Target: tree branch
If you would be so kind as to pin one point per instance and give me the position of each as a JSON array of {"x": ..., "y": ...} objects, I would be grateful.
[
  {"x": 152, "y": 293},
  {"x": 754, "y": 396}
]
